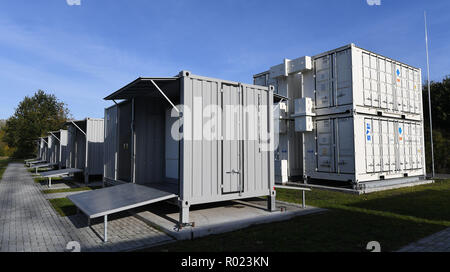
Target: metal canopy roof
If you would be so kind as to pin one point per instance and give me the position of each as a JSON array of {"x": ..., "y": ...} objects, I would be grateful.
[
  {"x": 143, "y": 87},
  {"x": 277, "y": 98}
]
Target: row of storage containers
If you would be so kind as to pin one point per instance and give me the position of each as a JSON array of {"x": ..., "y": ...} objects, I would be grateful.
[
  {"x": 351, "y": 77},
  {"x": 78, "y": 147},
  {"x": 336, "y": 88}
]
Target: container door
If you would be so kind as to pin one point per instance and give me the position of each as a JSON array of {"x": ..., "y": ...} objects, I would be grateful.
[
  {"x": 411, "y": 91},
  {"x": 385, "y": 164},
  {"x": 407, "y": 140},
  {"x": 110, "y": 143},
  {"x": 401, "y": 146},
  {"x": 231, "y": 144},
  {"x": 376, "y": 145},
  {"x": 383, "y": 89},
  {"x": 344, "y": 78},
  {"x": 405, "y": 91},
  {"x": 325, "y": 150},
  {"x": 369, "y": 145},
  {"x": 420, "y": 149},
  {"x": 417, "y": 90},
  {"x": 392, "y": 146},
  {"x": 346, "y": 154},
  {"x": 413, "y": 137},
  {"x": 124, "y": 148},
  {"x": 389, "y": 86},
  {"x": 374, "y": 81},
  {"x": 367, "y": 80},
  {"x": 323, "y": 82},
  {"x": 398, "y": 88}
]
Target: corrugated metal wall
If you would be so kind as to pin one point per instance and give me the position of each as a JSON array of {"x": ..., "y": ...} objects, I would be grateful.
[
  {"x": 95, "y": 131},
  {"x": 110, "y": 144},
  {"x": 63, "y": 144},
  {"x": 213, "y": 169},
  {"x": 150, "y": 141}
]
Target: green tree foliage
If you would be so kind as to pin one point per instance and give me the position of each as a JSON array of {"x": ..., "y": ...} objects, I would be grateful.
[
  {"x": 34, "y": 117},
  {"x": 440, "y": 112},
  {"x": 5, "y": 150}
]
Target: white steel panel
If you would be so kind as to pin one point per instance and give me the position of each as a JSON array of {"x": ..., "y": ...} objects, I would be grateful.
[
  {"x": 346, "y": 153},
  {"x": 392, "y": 146},
  {"x": 231, "y": 143},
  {"x": 344, "y": 78},
  {"x": 325, "y": 156},
  {"x": 368, "y": 127},
  {"x": 407, "y": 140},
  {"x": 413, "y": 137},
  {"x": 385, "y": 146},
  {"x": 323, "y": 82},
  {"x": 376, "y": 145},
  {"x": 401, "y": 146}
]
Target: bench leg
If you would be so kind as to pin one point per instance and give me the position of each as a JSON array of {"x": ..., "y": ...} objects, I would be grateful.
[
  {"x": 105, "y": 230},
  {"x": 303, "y": 200}
]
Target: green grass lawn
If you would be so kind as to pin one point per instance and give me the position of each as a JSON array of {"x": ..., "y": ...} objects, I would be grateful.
[
  {"x": 45, "y": 180},
  {"x": 4, "y": 161},
  {"x": 69, "y": 190},
  {"x": 63, "y": 206},
  {"x": 394, "y": 218}
]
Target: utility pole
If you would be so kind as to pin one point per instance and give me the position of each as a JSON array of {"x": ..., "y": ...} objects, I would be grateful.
[{"x": 429, "y": 95}]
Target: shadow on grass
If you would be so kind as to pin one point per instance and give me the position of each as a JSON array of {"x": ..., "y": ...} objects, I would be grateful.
[
  {"x": 334, "y": 231},
  {"x": 63, "y": 206},
  {"x": 427, "y": 204}
]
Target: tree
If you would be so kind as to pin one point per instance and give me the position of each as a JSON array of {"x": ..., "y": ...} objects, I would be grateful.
[
  {"x": 440, "y": 110},
  {"x": 34, "y": 117},
  {"x": 5, "y": 150}
]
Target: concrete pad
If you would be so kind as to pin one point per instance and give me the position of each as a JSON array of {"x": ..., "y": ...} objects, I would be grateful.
[{"x": 219, "y": 217}]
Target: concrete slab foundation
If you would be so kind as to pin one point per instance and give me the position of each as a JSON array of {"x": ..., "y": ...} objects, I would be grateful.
[{"x": 219, "y": 217}]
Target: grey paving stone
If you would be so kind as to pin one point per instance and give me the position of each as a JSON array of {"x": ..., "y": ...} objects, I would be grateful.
[
  {"x": 29, "y": 223},
  {"x": 438, "y": 242}
]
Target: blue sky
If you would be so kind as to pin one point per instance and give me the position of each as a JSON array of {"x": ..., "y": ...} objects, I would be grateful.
[{"x": 83, "y": 53}]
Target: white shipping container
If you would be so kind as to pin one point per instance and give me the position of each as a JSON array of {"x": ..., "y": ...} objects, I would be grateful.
[
  {"x": 345, "y": 84},
  {"x": 352, "y": 78},
  {"x": 364, "y": 148}
]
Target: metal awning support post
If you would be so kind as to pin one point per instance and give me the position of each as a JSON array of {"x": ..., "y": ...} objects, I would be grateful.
[
  {"x": 55, "y": 136},
  {"x": 78, "y": 128},
  {"x": 165, "y": 96}
]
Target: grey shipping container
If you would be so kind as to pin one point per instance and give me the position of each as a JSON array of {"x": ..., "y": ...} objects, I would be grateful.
[
  {"x": 142, "y": 146},
  {"x": 58, "y": 148},
  {"x": 85, "y": 146}
]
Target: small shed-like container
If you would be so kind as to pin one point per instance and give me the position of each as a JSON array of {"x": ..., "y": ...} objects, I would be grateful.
[
  {"x": 45, "y": 149},
  {"x": 58, "y": 148},
  {"x": 85, "y": 146},
  {"x": 144, "y": 145}
]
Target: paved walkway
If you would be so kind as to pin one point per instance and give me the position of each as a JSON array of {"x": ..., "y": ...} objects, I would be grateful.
[
  {"x": 438, "y": 242},
  {"x": 29, "y": 223}
]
